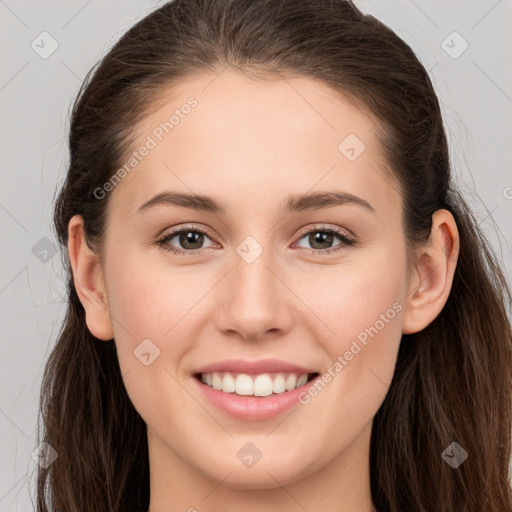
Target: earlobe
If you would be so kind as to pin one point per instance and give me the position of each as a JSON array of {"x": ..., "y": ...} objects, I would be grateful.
[
  {"x": 432, "y": 278},
  {"x": 88, "y": 280}
]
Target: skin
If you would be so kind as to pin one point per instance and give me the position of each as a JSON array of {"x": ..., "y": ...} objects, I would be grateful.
[{"x": 251, "y": 144}]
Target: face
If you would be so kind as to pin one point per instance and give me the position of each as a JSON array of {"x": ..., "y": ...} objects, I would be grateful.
[{"x": 268, "y": 282}]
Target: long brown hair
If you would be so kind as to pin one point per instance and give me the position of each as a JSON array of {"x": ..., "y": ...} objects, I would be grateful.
[{"x": 453, "y": 379}]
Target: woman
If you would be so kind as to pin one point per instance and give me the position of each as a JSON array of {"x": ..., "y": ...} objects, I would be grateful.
[{"x": 277, "y": 297}]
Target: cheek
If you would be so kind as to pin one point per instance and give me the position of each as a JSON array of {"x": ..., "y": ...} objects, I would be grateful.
[
  {"x": 352, "y": 297},
  {"x": 149, "y": 306},
  {"x": 150, "y": 299},
  {"x": 147, "y": 311},
  {"x": 361, "y": 327}
]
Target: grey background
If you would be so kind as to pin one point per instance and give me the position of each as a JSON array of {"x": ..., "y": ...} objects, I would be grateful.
[{"x": 474, "y": 88}]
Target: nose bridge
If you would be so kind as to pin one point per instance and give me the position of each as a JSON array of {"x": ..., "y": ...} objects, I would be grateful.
[
  {"x": 253, "y": 301},
  {"x": 255, "y": 287}
]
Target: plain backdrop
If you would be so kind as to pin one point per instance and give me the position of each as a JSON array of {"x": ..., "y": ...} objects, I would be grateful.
[{"x": 466, "y": 47}]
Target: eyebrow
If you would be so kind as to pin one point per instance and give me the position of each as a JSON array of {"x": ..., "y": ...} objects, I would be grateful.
[{"x": 293, "y": 203}]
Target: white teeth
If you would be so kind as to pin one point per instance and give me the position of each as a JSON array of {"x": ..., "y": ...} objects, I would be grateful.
[
  {"x": 302, "y": 380},
  {"x": 216, "y": 381},
  {"x": 257, "y": 385},
  {"x": 228, "y": 384},
  {"x": 278, "y": 385},
  {"x": 291, "y": 382},
  {"x": 244, "y": 385},
  {"x": 263, "y": 385}
]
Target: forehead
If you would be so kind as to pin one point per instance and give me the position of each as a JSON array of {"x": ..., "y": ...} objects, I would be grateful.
[{"x": 250, "y": 139}]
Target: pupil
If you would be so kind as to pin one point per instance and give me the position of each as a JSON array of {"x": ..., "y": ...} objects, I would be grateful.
[
  {"x": 322, "y": 237},
  {"x": 191, "y": 237}
]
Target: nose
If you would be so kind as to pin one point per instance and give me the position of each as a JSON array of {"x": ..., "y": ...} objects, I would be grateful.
[{"x": 255, "y": 301}]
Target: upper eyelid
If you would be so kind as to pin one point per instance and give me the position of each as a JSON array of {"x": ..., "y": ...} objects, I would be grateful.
[
  {"x": 191, "y": 227},
  {"x": 303, "y": 232},
  {"x": 326, "y": 227}
]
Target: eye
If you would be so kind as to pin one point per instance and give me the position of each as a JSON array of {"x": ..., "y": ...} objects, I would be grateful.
[
  {"x": 190, "y": 238},
  {"x": 322, "y": 237}
]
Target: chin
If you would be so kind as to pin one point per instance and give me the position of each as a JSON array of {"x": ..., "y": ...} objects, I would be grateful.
[{"x": 263, "y": 475}]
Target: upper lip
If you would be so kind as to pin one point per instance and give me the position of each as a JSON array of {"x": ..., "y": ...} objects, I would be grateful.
[{"x": 254, "y": 367}]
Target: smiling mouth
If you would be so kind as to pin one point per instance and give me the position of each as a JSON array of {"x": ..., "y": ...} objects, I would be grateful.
[{"x": 260, "y": 385}]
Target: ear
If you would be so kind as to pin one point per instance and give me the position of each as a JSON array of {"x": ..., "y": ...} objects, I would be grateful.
[
  {"x": 432, "y": 277},
  {"x": 88, "y": 279}
]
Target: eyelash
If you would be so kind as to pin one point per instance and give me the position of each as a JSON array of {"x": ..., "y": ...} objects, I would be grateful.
[{"x": 345, "y": 239}]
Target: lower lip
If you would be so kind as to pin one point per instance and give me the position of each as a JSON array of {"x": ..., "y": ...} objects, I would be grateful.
[{"x": 253, "y": 407}]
